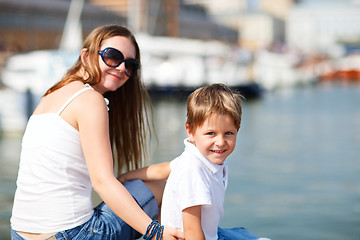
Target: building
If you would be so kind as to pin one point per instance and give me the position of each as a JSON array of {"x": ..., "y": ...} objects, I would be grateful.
[
  {"x": 259, "y": 23},
  {"x": 319, "y": 28},
  {"x": 38, "y": 24}
]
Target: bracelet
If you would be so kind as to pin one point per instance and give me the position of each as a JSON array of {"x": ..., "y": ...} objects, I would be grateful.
[{"x": 153, "y": 229}]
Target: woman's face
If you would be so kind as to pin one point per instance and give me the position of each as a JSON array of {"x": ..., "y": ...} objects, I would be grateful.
[{"x": 113, "y": 78}]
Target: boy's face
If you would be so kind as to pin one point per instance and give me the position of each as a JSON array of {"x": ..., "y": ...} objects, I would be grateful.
[{"x": 216, "y": 138}]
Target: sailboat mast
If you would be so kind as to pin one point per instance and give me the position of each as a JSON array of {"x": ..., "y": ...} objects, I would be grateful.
[{"x": 71, "y": 39}]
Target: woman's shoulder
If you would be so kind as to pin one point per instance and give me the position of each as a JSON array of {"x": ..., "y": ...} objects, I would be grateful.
[
  {"x": 82, "y": 98},
  {"x": 89, "y": 107},
  {"x": 56, "y": 99},
  {"x": 89, "y": 98},
  {"x": 82, "y": 95}
]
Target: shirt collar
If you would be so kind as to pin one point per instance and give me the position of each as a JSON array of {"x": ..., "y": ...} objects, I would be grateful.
[{"x": 214, "y": 168}]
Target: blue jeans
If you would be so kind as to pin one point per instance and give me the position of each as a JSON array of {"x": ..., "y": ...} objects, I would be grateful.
[
  {"x": 105, "y": 224},
  {"x": 235, "y": 234}
]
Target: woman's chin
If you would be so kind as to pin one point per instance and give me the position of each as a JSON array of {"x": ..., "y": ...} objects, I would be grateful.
[{"x": 113, "y": 87}]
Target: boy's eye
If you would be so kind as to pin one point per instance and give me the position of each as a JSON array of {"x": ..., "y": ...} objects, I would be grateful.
[
  {"x": 229, "y": 133},
  {"x": 210, "y": 133}
]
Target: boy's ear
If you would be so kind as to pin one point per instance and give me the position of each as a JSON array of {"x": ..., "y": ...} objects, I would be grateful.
[{"x": 189, "y": 133}]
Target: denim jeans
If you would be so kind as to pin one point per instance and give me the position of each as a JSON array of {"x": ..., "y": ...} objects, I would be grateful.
[
  {"x": 235, "y": 234},
  {"x": 105, "y": 224}
]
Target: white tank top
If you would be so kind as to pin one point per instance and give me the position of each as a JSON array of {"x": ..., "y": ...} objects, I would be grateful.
[{"x": 53, "y": 185}]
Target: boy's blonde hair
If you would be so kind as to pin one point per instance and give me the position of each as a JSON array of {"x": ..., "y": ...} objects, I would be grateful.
[{"x": 213, "y": 99}]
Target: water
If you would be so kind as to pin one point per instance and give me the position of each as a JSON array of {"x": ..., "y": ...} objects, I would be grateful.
[
  {"x": 295, "y": 173},
  {"x": 9, "y": 155}
]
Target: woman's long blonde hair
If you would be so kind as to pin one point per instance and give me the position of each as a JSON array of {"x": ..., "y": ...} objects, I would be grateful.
[{"x": 128, "y": 115}]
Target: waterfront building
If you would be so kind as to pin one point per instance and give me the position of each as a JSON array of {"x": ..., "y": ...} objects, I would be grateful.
[
  {"x": 319, "y": 28},
  {"x": 38, "y": 24}
]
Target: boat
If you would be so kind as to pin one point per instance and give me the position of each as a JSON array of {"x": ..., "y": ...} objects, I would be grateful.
[{"x": 344, "y": 69}]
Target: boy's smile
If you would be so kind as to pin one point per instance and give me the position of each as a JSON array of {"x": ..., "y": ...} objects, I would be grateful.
[{"x": 216, "y": 138}]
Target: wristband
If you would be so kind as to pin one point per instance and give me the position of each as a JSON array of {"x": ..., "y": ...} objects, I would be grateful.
[{"x": 154, "y": 229}]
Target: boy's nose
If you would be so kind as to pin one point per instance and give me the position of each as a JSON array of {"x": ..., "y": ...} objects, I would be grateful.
[{"x": 220, "y": 141}]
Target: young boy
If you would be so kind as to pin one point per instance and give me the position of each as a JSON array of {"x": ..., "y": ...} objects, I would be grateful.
[{"x": 196, "y": 180}]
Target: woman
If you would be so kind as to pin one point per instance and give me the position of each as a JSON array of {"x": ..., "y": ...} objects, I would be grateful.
[{"x": 69, "y": 145}]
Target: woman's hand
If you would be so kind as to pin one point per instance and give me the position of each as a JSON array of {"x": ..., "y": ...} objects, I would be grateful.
[{"x": 172, "y": 234}]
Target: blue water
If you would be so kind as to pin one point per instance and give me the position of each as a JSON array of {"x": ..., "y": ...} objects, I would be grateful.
[{"x": 295, "y": 172}]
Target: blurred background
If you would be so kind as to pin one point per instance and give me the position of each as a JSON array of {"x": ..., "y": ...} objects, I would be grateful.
[{"x": 295, "y": 173}]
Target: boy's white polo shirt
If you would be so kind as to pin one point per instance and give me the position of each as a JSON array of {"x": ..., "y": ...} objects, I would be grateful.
[{"x": 193, "y": 181}]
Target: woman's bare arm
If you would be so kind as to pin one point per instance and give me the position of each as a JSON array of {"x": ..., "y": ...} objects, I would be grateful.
[
  {"x": 153, "y": 172},
  {"x": 92, "y": 118}
]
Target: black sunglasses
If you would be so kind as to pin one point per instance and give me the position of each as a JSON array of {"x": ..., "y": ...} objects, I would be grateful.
[{"x": 113, "y": 58}]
